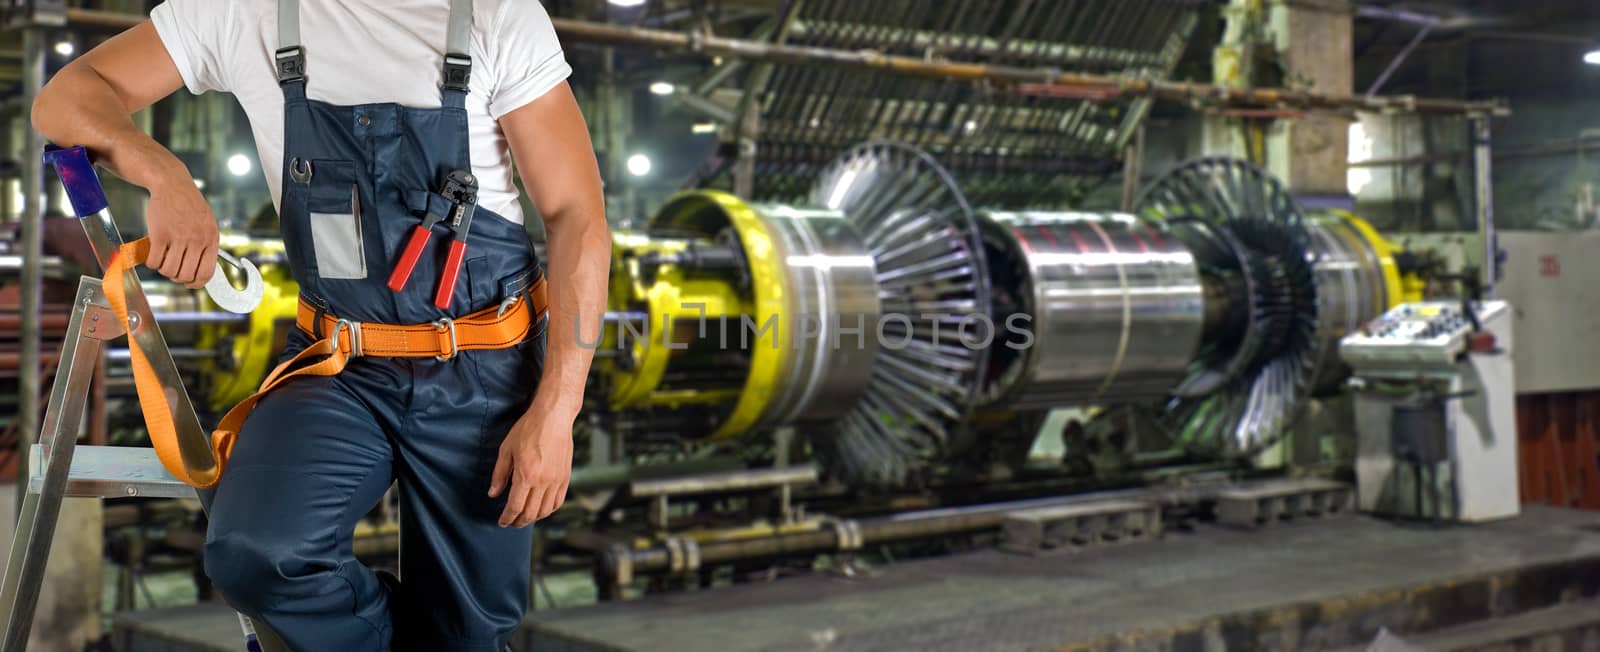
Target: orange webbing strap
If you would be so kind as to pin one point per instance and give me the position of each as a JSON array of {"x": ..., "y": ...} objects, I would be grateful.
[
  {"x": 333, "y": 361},
  {"x": 494, "y": 328},
  {"x": 152, "y": 396}
]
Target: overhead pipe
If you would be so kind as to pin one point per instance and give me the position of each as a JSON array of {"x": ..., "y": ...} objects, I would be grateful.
[
  {"x": 1045, "y": 81},
  {"x": 115, "y": 21}
]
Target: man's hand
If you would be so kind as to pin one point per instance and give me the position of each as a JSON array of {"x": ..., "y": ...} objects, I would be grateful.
[
  {"x": 536, "y": 458},
  {"x": 183, "y": 231}
]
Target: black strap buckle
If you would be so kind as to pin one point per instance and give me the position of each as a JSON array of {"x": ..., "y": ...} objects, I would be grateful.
[
  {"x": 316, "y": 324},
  {"x": 291, "y": 64},
  {"x": 457, "y": 72},
  {"x": 527, "y": 294}
]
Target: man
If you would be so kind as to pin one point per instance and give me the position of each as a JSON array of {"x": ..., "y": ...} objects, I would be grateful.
[{"x": 368, "y": 131}]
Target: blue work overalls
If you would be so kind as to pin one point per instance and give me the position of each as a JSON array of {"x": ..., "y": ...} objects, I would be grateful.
[{"x": 319, "y": 452}]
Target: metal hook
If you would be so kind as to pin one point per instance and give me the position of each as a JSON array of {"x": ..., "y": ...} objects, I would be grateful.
[{"x": 236, "y": 300}]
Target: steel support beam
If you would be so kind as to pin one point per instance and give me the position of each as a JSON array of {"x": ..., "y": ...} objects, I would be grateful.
[
  {"x": 747, "y": 129},
  {"x": 1399, "y": 59},
  {"x": 32, "y": 223},
  {"x": 1132, "y": 170},
  {"x": 1484, "y": 181}
]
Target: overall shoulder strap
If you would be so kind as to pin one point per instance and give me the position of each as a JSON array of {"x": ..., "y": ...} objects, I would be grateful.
[
  {"x": 290, "y": 59},
  {"x": 457, "y": 54}
]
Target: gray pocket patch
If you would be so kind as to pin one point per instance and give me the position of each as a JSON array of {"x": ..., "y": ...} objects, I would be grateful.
[{"x": 337, "y": 240}]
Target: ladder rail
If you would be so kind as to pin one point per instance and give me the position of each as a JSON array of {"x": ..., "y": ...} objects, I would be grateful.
[{"x": 30, "y": 545}]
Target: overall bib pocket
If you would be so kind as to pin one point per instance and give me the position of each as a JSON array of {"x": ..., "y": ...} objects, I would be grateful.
[{"x": 333, "y": 206}]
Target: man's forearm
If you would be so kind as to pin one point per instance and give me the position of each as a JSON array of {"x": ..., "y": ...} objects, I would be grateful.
[
  {"x": 550, "y": 144},
  {"x": 79, "y": 107},
  {"x": 579, "y": 267}
]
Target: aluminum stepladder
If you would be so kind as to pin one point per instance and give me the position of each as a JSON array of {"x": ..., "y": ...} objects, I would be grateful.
[{"x": 58, "y": 467}]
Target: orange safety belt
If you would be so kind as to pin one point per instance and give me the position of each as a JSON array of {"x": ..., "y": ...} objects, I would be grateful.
[
  {"x": 152, "y": 399},
  {"x": 494, "y": 328}
]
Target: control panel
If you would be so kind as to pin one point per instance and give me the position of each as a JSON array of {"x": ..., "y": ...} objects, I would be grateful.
[
  {"x": 1435, "y": 412},
  {"x": 1416, "y": 338}
]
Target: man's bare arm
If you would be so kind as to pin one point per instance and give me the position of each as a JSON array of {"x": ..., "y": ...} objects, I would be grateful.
[
  {"x": 555, "y": 158},
  {"x": 90, "y": 102}
]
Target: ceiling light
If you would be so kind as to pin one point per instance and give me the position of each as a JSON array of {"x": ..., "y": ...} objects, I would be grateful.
[
  {"x": 662, "y": 88},
  {"x": 238, "y": 165},
  {"x": 65, "y": 48},
  {"x": 1592, "y": 57},
  {"x": 639, "y": 165}
]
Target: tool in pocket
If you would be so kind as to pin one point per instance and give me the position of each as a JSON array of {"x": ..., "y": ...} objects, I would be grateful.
[{"x": 461, "y": 190}]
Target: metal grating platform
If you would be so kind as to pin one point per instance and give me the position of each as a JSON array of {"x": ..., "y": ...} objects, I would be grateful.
[{"x": 1314, "y": 584}]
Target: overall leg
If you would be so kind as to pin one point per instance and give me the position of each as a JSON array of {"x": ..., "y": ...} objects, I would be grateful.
[
  {"x": 464, "y": 579},
  {"x": 311, "y": 460}
]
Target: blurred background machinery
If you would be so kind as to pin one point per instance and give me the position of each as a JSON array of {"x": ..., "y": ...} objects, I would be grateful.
[
  {"x": 891, "y": 347},
  {"x": 925, "y": 319}
]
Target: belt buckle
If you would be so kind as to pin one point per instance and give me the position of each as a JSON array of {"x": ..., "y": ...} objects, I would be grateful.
[
  {"x": 447, "y": 324},
  {"x": 355, "y": 336}
]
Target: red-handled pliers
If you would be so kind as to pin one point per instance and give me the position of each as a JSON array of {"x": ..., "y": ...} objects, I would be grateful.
[{"x": 461, "y": 188}]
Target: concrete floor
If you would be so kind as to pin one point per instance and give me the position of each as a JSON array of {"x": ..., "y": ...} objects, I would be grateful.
[
  {"x": 1319, "y": 584},
  {"x": 1305, "y": 585}
]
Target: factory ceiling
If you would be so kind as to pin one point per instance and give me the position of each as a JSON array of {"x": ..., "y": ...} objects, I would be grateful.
[{"x": 1466, "y": 51}]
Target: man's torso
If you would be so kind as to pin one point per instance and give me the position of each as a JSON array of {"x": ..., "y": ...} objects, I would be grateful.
[{"x": 357, "y": 52}]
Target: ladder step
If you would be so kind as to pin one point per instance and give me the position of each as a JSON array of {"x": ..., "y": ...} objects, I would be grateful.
[{"x": 112, "y": 472}]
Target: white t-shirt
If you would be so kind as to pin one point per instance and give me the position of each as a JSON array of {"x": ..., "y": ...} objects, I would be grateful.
[{"x": 366, "y": 52}]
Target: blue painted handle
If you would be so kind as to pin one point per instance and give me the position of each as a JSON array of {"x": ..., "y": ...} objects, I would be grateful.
[{"x": 72, "y": 164}]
